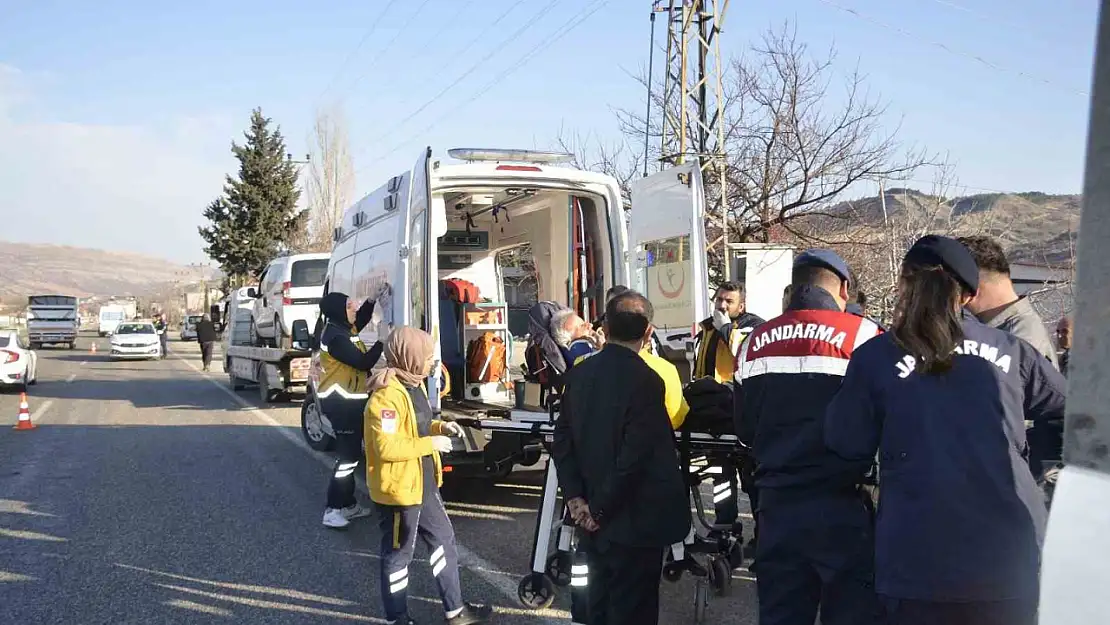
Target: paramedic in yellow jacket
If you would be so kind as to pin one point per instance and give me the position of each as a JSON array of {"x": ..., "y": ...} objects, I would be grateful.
[
  {"x": 345, "y": 362},
  {"x": 403, "y": 472},
  {"x": 718, "y": 342}
]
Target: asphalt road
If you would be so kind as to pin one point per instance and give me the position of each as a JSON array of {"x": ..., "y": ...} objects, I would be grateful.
[{"x": 151, "y": 493}]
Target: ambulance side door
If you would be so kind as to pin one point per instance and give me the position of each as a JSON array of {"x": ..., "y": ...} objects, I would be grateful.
[
  {"x": 667, "y": 238},
  {"x": 419, "y": 253}
]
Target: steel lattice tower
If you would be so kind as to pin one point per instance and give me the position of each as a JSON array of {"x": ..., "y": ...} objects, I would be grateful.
[{"x": 693, "y": 99}]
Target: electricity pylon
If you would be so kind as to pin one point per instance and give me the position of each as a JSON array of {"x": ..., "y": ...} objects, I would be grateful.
[{"x": 693, "y": 100}]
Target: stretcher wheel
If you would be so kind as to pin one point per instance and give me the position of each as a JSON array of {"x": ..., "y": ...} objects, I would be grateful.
[
  {"x": 558, "y": 568},
  {"x": 535, "y": 591},
  {"x": 672, "y": 571},
  {"x": 720, "y": 575},
  {"x": 701, "y": 601}
]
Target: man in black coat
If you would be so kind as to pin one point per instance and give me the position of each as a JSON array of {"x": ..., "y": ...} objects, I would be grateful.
[
  {"x": 207, "y": 337},
  {"x": 615, "y": 455}
]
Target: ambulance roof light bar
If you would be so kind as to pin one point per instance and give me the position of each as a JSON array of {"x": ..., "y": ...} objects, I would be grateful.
[{"x": 519, "y": 156}]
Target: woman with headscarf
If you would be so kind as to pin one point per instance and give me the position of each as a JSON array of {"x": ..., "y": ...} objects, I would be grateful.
[
  {"x": 403, "y": 472},
  {"x": 944, "y": 399},
  {"x": 344, "y": 361}
]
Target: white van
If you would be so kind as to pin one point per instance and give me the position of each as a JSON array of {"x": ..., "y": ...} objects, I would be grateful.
[
  {"x": 109, "y": 318},
  {"x": 289, "y": 289},
  {"x": 442, "y": 221}
]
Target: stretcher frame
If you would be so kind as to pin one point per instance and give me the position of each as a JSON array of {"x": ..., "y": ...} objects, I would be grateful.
[{"x": 721, "y": 545}]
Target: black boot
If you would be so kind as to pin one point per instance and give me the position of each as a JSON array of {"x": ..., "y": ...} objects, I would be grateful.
[{"x": 471, "y": 615}]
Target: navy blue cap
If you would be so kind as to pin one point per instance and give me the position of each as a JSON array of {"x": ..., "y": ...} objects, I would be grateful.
[
  {"x": 957, "y": 261},
  {"x": 824, "y": 258}
]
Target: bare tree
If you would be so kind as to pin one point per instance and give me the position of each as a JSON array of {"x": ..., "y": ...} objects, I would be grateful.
[
  {"x": 331, "y": 178},
  {"x": 793, "y": 145}
]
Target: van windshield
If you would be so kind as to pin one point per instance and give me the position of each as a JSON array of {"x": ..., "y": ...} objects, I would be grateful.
[
  {"x": 308, "y": 272},
  {"x": 111, "y": 315}
]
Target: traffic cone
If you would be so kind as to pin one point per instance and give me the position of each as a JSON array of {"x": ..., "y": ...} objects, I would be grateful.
[
  {"x": 24, "y": 414},
  {"x": 92, "y": 349}
]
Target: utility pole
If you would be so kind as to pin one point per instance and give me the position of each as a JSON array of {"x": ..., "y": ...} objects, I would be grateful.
[{"x": 693, "y": 100}]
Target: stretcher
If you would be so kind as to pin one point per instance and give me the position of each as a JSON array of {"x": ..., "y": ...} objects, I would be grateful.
[{"x": 709, "y": 553}]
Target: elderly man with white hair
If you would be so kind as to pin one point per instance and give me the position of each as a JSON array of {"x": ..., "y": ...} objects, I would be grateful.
[{"x": 574, "y": 336}]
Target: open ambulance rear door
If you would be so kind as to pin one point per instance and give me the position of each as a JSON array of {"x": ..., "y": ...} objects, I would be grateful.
[{"x": 667, "y": 236}]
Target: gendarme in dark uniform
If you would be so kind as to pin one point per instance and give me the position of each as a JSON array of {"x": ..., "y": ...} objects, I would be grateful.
[
  {"x": 814, "y": 550},
  {"x": 960, "y": 519}
]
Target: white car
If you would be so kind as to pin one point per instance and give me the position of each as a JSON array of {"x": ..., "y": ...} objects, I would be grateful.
[
  {"x": 19, "y": 364},
  {"x": 189, "y": 328},
  {"x": 136, "y": 339},
  {"x": 289, "y": 289}
]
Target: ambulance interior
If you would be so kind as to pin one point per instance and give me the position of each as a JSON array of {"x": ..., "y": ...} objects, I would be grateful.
[{"x": 569, "y": 237}]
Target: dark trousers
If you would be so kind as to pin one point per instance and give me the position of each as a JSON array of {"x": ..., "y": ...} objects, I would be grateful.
[
  {"x": 815, "y": 553},
  {"x": 400, "y": 527},
  {"x": 747, "y": 484},
  {"x": 163, "y": 338},
  {"x": 348, "y": 452},
  {"x": 206, "y": 354},
  {"x": 726, "y": 509},
  {"x": 913, "y": 612},
  {"x": 623, "y": 585}
]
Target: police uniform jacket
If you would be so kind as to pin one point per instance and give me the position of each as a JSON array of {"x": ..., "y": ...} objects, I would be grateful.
[
  {"x": 960, "y": 517},
  {"x": 344, "y": 361},
  {"x": 788, "y": 370},
  {"x": 716, "y": 353},
  {"x": 614, "y": 446}
]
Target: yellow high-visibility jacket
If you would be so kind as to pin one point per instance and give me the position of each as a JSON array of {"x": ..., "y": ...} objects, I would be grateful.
[{"x": 394, "y": 448}]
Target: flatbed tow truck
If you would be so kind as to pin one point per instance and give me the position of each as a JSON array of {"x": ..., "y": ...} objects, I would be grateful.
[{"x": 276, "y": 372}]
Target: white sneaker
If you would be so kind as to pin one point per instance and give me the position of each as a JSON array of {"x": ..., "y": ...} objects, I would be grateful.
[
  {"x": 335, "y": 519},
  {"x": 356, "y": 511}
]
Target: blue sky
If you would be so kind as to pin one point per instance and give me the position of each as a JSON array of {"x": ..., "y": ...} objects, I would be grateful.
[{"x": 116, "y": 116}]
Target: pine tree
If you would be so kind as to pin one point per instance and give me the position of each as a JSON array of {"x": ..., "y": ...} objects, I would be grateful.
[{"x": 257, "y": 216}]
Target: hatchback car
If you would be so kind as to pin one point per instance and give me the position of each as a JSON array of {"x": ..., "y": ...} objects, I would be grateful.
[
  {"x": 289, "y": 289},
  {"x": 18, "y": 362},
  {"x": 136, "y": 339}
]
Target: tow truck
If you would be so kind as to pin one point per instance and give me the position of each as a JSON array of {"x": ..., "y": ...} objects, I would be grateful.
[{"x": 276, "y": 372}]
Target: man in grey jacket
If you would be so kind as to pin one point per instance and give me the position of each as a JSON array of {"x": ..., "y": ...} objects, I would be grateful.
[{"x": 998, "y": 305}]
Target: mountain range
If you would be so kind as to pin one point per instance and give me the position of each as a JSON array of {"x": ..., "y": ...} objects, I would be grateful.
[{"x": 27, "y": 268}]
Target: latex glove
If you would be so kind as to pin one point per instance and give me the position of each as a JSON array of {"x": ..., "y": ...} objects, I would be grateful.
[
  {"x": 442, "y": 444},
  {"x": 450, "y": 428},
  {"x": 721, "y": 320}
]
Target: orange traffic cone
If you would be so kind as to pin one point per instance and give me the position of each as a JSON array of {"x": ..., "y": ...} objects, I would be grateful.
[
  {"x": 92, "y": 350},
  {"x": 24, "y": 414}
]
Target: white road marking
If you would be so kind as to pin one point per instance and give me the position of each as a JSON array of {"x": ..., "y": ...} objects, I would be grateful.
[
  {"x": 84, "y": 362},
  {"x": 43, "y": 407},
  {"x": 72, "y": 377},
  {"x": 473, "y": 562}
]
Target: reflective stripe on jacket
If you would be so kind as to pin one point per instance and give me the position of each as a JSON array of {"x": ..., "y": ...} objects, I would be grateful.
[
  {"x": 342, "y": 388},
  {"x": 394, "y": 447}
]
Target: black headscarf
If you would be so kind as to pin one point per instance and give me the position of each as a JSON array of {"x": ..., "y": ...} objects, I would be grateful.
[{"x": 333, "y": 309}]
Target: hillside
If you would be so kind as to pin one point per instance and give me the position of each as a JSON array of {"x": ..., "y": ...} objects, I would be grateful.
[
  {"x": 1034, "y": 227},
  {"x": 33, "y": 268}
]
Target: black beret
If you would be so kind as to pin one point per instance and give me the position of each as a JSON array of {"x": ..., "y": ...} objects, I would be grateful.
[{"x": 957, "y": 261}]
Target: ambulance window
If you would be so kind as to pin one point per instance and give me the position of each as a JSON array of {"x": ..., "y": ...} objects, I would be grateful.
[
  {"x": 669, "y": 279},
  {"x": 417, "y": 272}
]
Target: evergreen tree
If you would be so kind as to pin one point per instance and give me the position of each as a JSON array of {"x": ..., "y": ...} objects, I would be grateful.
[{"x": 257, "y": 216}]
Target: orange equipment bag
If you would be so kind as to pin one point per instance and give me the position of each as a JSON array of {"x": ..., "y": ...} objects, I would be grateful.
[{"x": 486, "y": 359}]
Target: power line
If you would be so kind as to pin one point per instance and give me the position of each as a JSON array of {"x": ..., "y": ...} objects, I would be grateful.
[
  {"x": 995, "y": 21},
  {"x": 567, "y": 27},
  {"x": 947, "y": 48},
  {"x": 380, "y": 55},
  {"x": 370, "y": 31},
  {"x": 479, "y": 63}
]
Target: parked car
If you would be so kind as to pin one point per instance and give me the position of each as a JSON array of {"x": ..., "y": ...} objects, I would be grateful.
[
  {"x": 289, "y": 289},
  {"x": 189, "y": 328},
  {"x": 136, "y": 339},
  {"x": 18, "y": 362}
]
